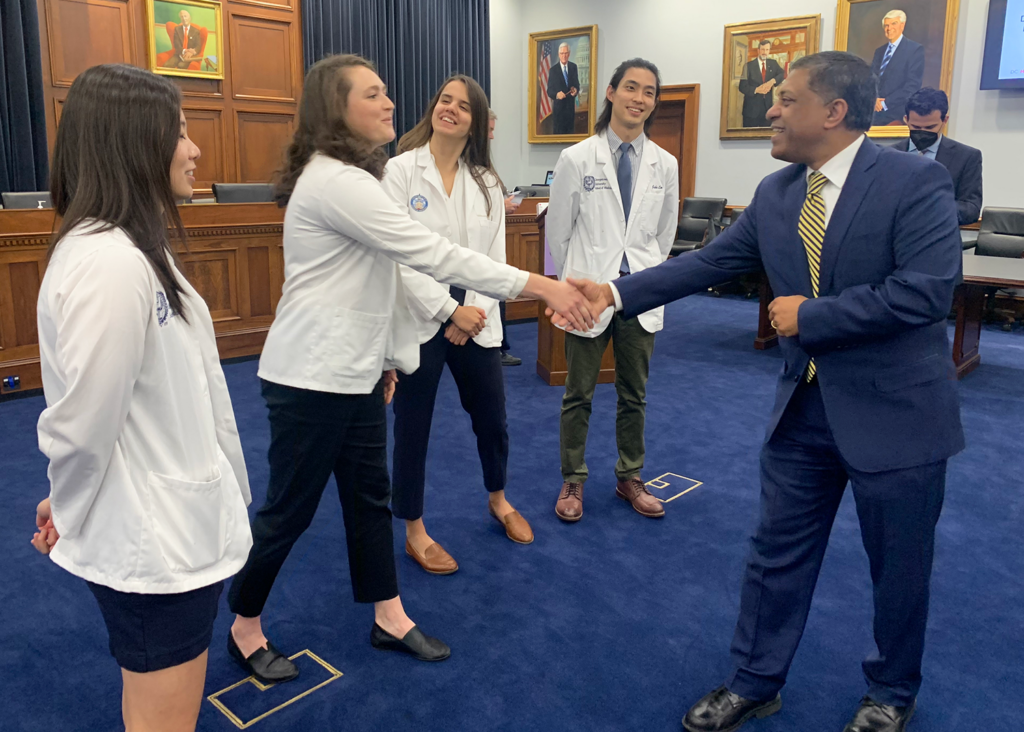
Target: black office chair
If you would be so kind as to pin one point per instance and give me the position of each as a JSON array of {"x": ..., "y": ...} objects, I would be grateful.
[
  {"x": 36, "y": 199},
  {"x": 243, "y": 192},
  {"x": 700, "y": 220},
  {"x": 1002, "y": 235}
]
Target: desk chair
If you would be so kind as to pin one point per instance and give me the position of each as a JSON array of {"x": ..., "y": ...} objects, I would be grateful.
[
  {"x": 35, "y": 199},
  {"x": 700, "y": 220},
  {"x": 1002, "y": 235},
  {"x": 243, "y": 192}
]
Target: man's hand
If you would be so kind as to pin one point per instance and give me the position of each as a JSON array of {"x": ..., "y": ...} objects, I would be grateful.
[
  {"x": 573, "y": 91},
  {"x": 469, "y": 319},
  {"x": 46, "y": 535},
  {"x": 783, "y": 313},
  {"x": 456, "y": 335},
  {"x": 390, "y": 380},
  {"x": 878, "y": 104},
  {"x": 510, "y": 208},
  {"x": 764, "y": 88},
  {"x": 561, "y": 95}
]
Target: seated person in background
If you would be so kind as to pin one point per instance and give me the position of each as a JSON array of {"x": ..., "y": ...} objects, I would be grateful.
[{"x": 927, "y": 113}]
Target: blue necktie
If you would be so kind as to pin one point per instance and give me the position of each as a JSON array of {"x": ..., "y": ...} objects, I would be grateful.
[
  {"x": 885, "y": 59},
  {"x": 625, "y": 176},
  {"x": 565, "y": 75}
]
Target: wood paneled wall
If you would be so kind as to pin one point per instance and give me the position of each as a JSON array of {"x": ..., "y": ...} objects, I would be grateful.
[{"x": 242, "y": 122}]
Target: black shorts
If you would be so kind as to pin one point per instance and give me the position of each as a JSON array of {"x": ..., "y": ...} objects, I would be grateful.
[{"x": 154, "y": 632}]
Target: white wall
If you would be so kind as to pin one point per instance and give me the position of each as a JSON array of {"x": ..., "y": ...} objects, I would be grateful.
[{"x": 684, "y": 38}]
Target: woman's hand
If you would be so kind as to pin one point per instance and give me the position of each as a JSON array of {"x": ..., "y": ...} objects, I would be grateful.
[
  {"x": 46, "y": 536},
  {"x": 390, "y": 380},
  {"x": 471, "y": 320},
  {"x": 510, "y": 207},
  {"x": 456, "y": 335}
]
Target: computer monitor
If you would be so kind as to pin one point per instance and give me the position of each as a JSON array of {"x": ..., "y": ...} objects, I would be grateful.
[
  {"x": 1003, "y": 64},
  {"x": 549, "y": 178}
]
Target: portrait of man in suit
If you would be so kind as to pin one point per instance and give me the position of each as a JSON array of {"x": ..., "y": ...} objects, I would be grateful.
[
  {"x": 186, "y": 43},
  {"x": 899, "y": 65},
  {"x": 563, "y": 89},
  {"x": 760, "y": 78}
]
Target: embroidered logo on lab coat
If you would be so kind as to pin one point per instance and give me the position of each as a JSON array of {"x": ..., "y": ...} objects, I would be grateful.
[
  {"x": 163, "y": 309},
  {"x": 418, "y": 203},
  {"x": 588, "y": 182}
]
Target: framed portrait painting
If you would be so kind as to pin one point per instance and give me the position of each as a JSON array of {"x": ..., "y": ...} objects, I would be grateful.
[
  {"x": 909, "y": 44},
  {"x": 563, "y": 100},
  {"x": 185, "y": 38},
  {"x": 756, "y": 60}
]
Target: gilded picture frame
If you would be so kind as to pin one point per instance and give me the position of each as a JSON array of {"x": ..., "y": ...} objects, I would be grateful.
[
  {"x": 563, "y": 100},
  {"x": 199, "y": 54},
  {"x": 748, "y": 87},
  {"x": 930, "y": 26}
]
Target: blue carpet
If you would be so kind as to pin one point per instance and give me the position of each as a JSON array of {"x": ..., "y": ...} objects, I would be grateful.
[{"x": 615, "y": 623}]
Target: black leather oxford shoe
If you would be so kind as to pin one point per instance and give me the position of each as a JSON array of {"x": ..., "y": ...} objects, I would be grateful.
[
  {"x": 874, "y": 717},
  {"x": 723, "y": 711}
]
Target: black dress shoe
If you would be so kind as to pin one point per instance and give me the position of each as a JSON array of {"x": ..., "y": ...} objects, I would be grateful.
[
  {"x": 723, "y": 711},
  {"x": 416, "y": 643},
  {"x": 875, "y": 717},
  {"x": 268, "y": 665}
]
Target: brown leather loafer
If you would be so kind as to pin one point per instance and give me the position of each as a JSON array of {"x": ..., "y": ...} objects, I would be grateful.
[
  {"x": 516, "y": 527},
  {"x": 569, "y": 506},
  {"x": 634, "y": 491},
  {"x": 435, "y": 560}
]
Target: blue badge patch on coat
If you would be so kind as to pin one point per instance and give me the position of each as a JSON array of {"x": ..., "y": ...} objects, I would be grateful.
[
  {"x": 588, "y": 182},
  {"x": 163, "y": 309},
  {"x": 418, "y": 203}
]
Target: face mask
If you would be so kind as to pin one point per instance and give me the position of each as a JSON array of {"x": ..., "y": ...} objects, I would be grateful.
[{"x": 923, "y": 139}]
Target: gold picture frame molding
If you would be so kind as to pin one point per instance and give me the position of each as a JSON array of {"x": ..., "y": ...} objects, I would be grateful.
[
  {"x": 533, "y": 136},
  {"x": 948, "y": 55},
  {"x": 810, "y": 24},
  {"x": 151, "y": 54}
]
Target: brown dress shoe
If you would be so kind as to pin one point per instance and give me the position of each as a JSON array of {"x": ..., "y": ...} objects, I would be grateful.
[
  {"x": 634, "y": 491},
  {"x": 516, "y": 527},
  {"x": 435, "y": 560},
  {"x": 569, "y": 505}
]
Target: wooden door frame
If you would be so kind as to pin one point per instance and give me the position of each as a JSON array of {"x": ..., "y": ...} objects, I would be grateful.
[{"x": 689, "y": 94}]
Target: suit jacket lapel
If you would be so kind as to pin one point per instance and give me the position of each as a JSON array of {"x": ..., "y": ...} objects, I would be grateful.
[
  {"x": 944, "y": 154},
  {"x": 795, "y": 251},
  {"x": 854, "y": 189}
]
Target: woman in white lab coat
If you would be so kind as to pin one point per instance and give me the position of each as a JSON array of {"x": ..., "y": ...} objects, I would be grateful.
[
  {"x": 341, "y": 329},
  {"x": 148, "y": 488},
  {"x": 444, "y": 178}
]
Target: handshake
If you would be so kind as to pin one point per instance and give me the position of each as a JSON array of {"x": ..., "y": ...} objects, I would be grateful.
[{"x": 575, "y": 304}]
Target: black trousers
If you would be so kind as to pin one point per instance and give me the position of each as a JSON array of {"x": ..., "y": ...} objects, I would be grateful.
[
  {"x": 477, "y": 373},
  {"x": 313, "y": 434},
  {"x": 803, "y": 477},
  {"x": 504, "y": 328}
]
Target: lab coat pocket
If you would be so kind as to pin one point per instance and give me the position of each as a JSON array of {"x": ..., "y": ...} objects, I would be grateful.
[
  {"x": 358, "y": 341},
  {"x": 189, "y": 520},
  {"x": 652, "y": 206}
]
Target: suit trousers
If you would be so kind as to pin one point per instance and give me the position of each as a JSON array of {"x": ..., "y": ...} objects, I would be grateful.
[
  {"x": 314, "y": 434},
  {"x": 478, "y": 376},
  {"x": 803, "y": 477},
  {"x": 632, "y": 345}
]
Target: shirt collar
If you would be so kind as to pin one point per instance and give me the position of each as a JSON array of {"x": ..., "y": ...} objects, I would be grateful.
[
  {"x": 614, "y": 142},
  {"x": 934, "y": 148},
  {"x": 838, "y": 166}
]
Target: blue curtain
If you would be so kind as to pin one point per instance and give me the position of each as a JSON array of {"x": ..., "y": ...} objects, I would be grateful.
[
  {"x": 416, "y": 44},
  {"x": 23, "y": 155}
]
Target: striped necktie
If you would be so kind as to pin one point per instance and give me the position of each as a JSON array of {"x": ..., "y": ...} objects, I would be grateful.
[
  {"x": 812, "y": 232},
  {"x": 885, "y": 59}
]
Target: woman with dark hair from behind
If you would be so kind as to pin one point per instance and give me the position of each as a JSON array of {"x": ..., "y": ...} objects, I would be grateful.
[
  {"x": 148, "y": 487},
  {"x": 443, "y": 176},
  {"x": 340, "y": 331}
]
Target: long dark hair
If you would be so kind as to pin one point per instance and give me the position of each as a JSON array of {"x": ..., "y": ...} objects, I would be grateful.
[
  {"x": 477, "y": 152},
  {"x": 634, "y": 63},
  {"x": 322, "y": 126},
  {"x": 118, "y": 133}
]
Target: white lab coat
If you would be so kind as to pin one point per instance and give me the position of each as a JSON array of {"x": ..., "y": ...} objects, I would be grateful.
[
  {"x": 586, "y": 229},
  {"x": 148, "y": 486},
  {"x": 413, "y": 177},
  {"x": 343, "y": 316}
]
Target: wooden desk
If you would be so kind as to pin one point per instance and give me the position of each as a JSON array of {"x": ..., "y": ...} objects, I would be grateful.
[
  {"x": 235, "y": 261},
  {"x": 969, "y": 303}
]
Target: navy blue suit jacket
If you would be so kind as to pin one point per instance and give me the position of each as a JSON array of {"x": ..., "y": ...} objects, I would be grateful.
[
  {"x": 889, "y": 263},
  {"x": 964, "y": 165}
]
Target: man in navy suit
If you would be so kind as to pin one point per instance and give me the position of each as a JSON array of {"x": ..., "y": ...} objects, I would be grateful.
[
  {"x": 563, "y": 88},
  {"x": 927, "y": 113},
  {"x": 899, "y": 66},
  {"x": 862, "y": 248}
]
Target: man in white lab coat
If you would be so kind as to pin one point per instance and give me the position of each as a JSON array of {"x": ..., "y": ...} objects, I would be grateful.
[{"x": 614, "y": 209}]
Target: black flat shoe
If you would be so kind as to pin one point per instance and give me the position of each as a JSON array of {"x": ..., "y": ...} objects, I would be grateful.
[
  {"x": 723, "y": 711},
  {"x": 874, "y": 717},
  {"x": 268, "y": 665},
  {"x": 415, "y": 643}
]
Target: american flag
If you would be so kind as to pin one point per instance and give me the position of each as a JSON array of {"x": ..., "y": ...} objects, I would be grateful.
[{"x": 545, "y": 67}]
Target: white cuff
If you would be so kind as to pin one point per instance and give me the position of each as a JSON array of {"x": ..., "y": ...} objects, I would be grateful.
[
  {"x": 520, "y": 284},
  {"x": 446, "y": 311},
  {"x": 615, "y": 294}
]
